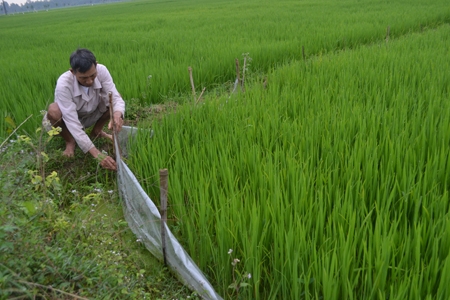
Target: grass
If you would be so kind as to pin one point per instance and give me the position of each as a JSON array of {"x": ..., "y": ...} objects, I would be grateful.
[{"x": 70, "y": 240}]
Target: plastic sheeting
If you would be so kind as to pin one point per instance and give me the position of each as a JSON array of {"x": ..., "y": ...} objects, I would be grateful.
[{"x": 144, "y": 220}]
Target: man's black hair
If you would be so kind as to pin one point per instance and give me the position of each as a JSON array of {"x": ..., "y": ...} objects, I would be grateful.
[{"x": 81, "y": 60}]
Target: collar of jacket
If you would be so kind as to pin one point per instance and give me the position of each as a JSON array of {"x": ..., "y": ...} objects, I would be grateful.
[{"x": 77, "y": 87}]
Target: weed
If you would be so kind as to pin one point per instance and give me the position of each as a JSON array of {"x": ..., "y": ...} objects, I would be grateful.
[
  {"x": 238, "y": 276},
  {"x": 66, "y": 237}
]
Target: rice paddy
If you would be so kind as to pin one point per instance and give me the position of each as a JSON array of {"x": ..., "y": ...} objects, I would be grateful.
[
  {"x": 331, "y": 182},
  {"x": 327, "y": 176}
]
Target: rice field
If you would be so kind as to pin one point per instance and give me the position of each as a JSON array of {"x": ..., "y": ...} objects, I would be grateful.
[
  {"x": 137, "y": 39},
  {"x": 331, "y": 182},
  {"x": 327, "y": 177}
]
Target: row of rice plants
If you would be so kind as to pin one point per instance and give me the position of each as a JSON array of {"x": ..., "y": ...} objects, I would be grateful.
[
  {"x": 331, "y": 182},
  {"x": 141, "y": 38}
]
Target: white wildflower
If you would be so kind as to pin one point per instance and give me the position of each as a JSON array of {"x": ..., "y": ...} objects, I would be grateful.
[{"x": 235, "y": 261}]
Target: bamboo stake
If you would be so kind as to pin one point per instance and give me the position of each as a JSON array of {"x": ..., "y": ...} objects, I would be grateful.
[
  {"x": 15, "y": 130},
  {"x": 163, "y": 175},
  {"x": 192, "y": 82},
  {"x": 243, "y": 74},
  {"x": 199, "y": 97},
  {"x": 237, "y": 71},
  {"x": 387, "y": 33},
  {"x": 111, "y": 115}
]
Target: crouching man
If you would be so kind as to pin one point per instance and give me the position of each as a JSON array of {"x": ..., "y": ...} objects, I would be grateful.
[{"x": 82, "y": 101}]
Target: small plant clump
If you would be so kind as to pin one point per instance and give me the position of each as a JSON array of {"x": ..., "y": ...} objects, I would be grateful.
[{"x": 239, "y": 278}]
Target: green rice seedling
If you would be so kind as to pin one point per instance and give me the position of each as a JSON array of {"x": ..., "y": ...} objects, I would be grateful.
[
  {"x": 333, "y": 188},
  {"x": 141, "y": 38}
]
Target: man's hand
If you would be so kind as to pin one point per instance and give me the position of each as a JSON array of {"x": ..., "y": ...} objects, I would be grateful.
[
  {"x": 118, "y": 122},
  {"x": 108, "y": 163},
  {"x": 105, "y": 161}
]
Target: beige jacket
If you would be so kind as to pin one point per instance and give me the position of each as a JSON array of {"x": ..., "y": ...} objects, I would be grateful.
[{"x": 77, "y": 107}]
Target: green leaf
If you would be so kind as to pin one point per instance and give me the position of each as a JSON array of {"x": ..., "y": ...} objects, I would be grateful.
[
  {"x": 6, "y": 246},
  {"x": 232, "y": 286},
  {"x": 30, "y": 207},
  {"x": 10, "y": 122},
  {"x": 44, "y": 156}
]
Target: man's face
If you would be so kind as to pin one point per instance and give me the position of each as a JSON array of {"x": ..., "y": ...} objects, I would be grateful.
[{"x": 87, "y": 78}]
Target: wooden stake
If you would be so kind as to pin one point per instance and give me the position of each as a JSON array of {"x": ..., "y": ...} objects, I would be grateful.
[
  {"x": 387, "y": 33},
  {"x": 163, "y": 175},
  {"x": 243, "y": 74},
  {"x": 201, "y": 94},
  {"x": 14, "y": 131},
  {"x": 303, "y": 53},
  {"x": 111, "y": 116},
  {"x": 192, "y": 82},
  {"x": 238, "y": 76}
]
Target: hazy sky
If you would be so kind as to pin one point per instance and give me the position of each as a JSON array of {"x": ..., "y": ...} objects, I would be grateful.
[{"x": 16, "y": 1}]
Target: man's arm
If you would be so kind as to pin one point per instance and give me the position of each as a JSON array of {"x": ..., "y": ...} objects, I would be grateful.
[{"x": 108, "y": 86}]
